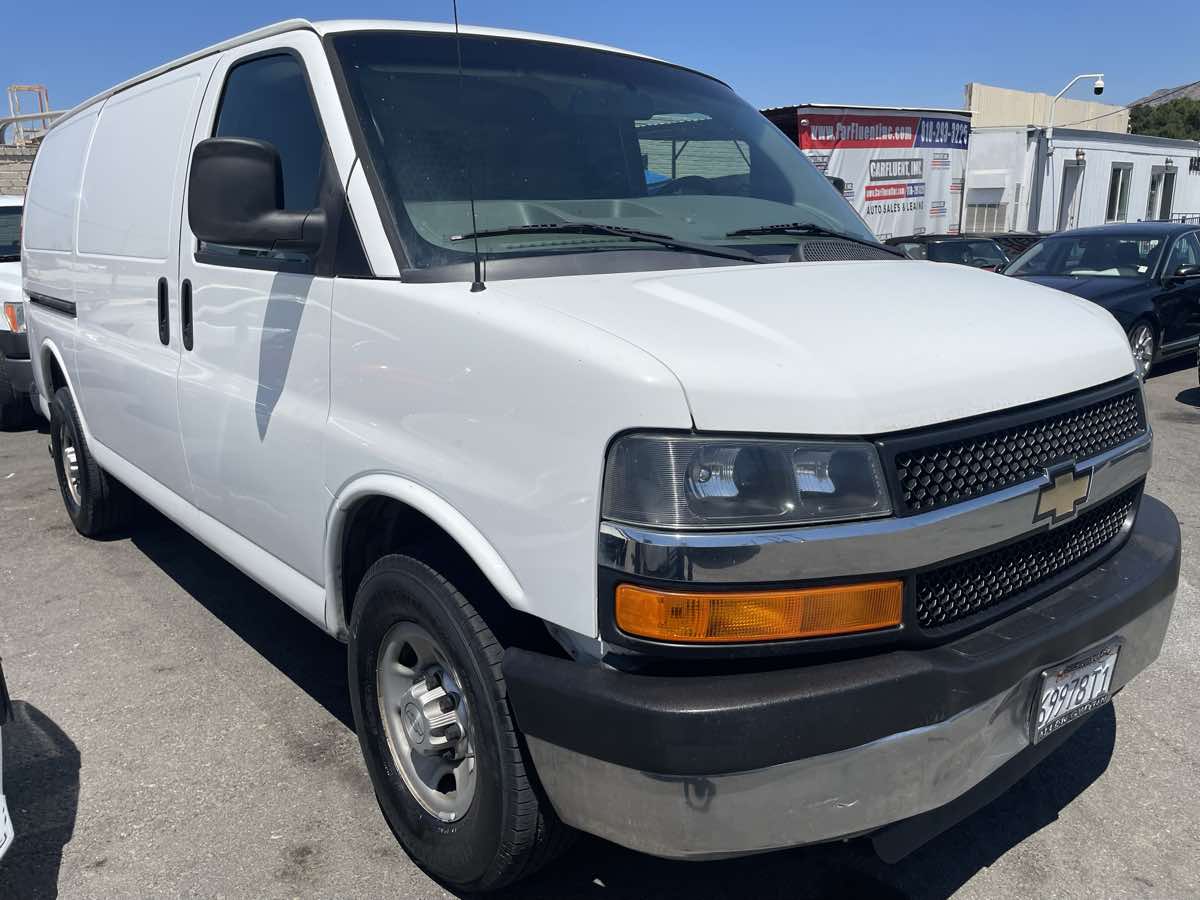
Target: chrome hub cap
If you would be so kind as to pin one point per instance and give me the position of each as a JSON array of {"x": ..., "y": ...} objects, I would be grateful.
[
  {"x": 1141, "y": 342},
  {"x": 427, "y": 721},
  {"x": 70, "y": 463}
]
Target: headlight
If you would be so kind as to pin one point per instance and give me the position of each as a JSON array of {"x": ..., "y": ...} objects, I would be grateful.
[
  {"x": 695, "y": 482},
  {"x": 14, "y": 315}
]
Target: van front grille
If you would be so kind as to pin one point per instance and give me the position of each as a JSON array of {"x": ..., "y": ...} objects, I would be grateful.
[
  {"x": 946, "y": 473},
  {"x": 952, "y": 593}
]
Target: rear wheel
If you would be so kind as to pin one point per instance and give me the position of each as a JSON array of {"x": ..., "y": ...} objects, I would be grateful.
[
  {"x": 96, "y": 502},
  {"x": 1143, "y": 345},
  {"x": 430, "y": 706}
]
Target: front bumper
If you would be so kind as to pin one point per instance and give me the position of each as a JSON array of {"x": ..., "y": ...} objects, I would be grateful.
[{"x": 709, "y": 766}]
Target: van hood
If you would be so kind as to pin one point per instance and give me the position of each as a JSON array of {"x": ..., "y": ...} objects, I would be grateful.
[{"x": 847, "y": 348}]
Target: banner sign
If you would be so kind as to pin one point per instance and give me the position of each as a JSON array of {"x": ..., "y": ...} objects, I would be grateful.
[{"x": 908, "y": 167}]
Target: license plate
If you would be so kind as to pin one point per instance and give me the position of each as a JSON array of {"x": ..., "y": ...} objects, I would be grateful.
[{"x": 1073, "y": 690}]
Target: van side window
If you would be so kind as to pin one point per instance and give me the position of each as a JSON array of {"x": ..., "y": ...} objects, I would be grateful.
[{"x": 267, "y": 99}]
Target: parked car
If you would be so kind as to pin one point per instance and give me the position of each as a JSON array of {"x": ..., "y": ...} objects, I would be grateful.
[
  {"x": 1146, "y": 274},
  {"x": 6, "y": 825},
  {"x": 1014, "y": 243},
  {"x": 621, "y": 534},
  {"x": 16, "y": 374},
  {"x": 965, "y": 250}
]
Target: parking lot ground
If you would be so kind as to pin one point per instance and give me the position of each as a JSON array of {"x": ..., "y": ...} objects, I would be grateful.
[{"x": 179, "y": 732}]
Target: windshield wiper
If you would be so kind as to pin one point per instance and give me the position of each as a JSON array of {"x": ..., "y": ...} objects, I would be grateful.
[
  {"x": 663, "y": 240},
  {"x": 9, "y": 257},
  {"x": 811, "y": 228}
]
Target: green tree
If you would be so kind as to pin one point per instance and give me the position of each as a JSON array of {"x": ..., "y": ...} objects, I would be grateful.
[{"x": 1179, "y": 118}]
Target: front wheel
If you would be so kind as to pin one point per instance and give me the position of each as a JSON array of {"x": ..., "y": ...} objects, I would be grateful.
[
  {"x": 1143, "y": 346},
  {"x": 444, "y": 754}
]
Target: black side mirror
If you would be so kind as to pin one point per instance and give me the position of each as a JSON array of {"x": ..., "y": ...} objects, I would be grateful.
[
  {"x": 1185, "y": 272},
  {"x": 235, "y": 196}
]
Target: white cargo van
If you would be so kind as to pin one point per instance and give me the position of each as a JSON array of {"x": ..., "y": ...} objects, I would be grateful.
[{"x": 654, "y": 497}]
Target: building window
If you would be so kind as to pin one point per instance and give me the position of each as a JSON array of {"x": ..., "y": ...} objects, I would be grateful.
[
  {"x": 1162, "y": 194},
  {"x": 986, "y": 217},
  {"x": 1118, "y": 193}
]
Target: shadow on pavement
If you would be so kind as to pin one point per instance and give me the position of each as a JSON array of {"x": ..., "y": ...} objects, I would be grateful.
[
  {"x": 597, "y": 869},
  {"x": 312, "y": 659},
  {"x": 1191, "y": 397},
  {"x": 41, "y": 783},
  {"x": 1175, "y": 364}
]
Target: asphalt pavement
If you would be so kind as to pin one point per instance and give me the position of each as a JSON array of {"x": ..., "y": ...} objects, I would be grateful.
[{"x": 179, "y": 732}]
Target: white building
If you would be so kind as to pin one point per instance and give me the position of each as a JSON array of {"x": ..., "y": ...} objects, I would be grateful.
[{"x": 1093, "y": 177}]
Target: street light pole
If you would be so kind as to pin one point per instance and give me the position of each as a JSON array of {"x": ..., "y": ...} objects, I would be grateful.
[{"x": 1097, "y": 87}]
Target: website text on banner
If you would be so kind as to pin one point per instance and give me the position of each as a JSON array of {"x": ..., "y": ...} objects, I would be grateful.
[{"x": 903, "y": 172}]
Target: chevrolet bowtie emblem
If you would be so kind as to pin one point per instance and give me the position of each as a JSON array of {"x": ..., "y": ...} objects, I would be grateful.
[{"x": 1063, "y": 495}]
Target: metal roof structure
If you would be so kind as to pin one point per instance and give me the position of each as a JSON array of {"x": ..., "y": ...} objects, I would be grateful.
[{"x": 915, "y": 109}]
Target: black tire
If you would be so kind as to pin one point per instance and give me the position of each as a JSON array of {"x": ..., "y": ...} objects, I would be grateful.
[
  {"x": 509, "y": 830},
  {"x": 104, "y": 504}
]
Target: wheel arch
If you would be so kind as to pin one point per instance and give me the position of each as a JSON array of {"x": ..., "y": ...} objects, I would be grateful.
[
  {"x": 412, "y": 516},
  {"x": 54, "y": 374}
]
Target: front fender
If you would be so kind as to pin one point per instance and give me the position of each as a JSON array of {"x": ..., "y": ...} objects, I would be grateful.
[{"x": 430, "y": 504}]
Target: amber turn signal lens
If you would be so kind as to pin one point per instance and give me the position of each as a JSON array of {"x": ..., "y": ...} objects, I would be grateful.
[
  {"x": 744, "y": 616},
  {"x": 15, "y": 318}
]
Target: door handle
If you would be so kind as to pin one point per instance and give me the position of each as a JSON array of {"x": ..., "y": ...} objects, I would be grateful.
[
  {"x": 185, "y": 303},
  {"x": 164, "y": 318}
]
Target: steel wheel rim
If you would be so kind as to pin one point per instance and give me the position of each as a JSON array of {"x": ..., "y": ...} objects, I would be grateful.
[
  {"x": 70, "y": 463},
  {"x": 440, "y": 776},
  {"x": 1141, "y": 342}
]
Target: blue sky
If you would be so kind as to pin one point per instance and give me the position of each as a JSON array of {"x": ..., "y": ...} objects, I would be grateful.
[{"x": 772, "y": 51}]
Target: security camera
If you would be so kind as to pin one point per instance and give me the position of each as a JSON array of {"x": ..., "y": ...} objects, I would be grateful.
[{"x": 1098, "y": 86}]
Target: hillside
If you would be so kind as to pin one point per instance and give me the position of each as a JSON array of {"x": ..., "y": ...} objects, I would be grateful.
[{"x": 1163, "y": 95}]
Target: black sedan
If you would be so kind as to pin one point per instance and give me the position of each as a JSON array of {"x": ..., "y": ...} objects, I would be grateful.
[
  {"x": 1147, "y": 275},
  {"x": 981, "y": 252}
]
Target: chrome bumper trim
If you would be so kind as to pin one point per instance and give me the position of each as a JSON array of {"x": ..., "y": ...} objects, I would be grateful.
[
  {"x": 811, "y": 800},
  {"x": 858, "y": 548}
]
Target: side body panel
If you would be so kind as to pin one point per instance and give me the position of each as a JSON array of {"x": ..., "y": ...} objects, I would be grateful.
[
  {"x": 500, "y": 407},
  {"x": 48, "y": 240},
  {"x": 128, "y": 229}
]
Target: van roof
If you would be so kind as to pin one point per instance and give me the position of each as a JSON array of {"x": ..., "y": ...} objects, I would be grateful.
[
  {"x": 12, "y": 200},
  {"x": 336, "y": 26}
]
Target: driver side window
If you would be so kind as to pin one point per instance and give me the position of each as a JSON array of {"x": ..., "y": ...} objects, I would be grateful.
[
  {"x": 1186, "y": 252},
  {"x": 266, "y": 98}
]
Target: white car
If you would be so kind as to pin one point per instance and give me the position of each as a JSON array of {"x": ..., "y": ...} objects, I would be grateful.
[
  {"x": 16, "y": 374},
  {"x": 654, "y": 497},
  {"x": 6, "y": 825}
]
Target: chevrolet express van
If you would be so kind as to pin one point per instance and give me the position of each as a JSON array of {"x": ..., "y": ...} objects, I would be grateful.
[{"x": 653, "y": 496}]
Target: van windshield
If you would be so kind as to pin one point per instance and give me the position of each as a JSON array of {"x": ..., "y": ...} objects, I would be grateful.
[
  {"x": 551, "y": 134},
  {"x": 10, "y": 233}
]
